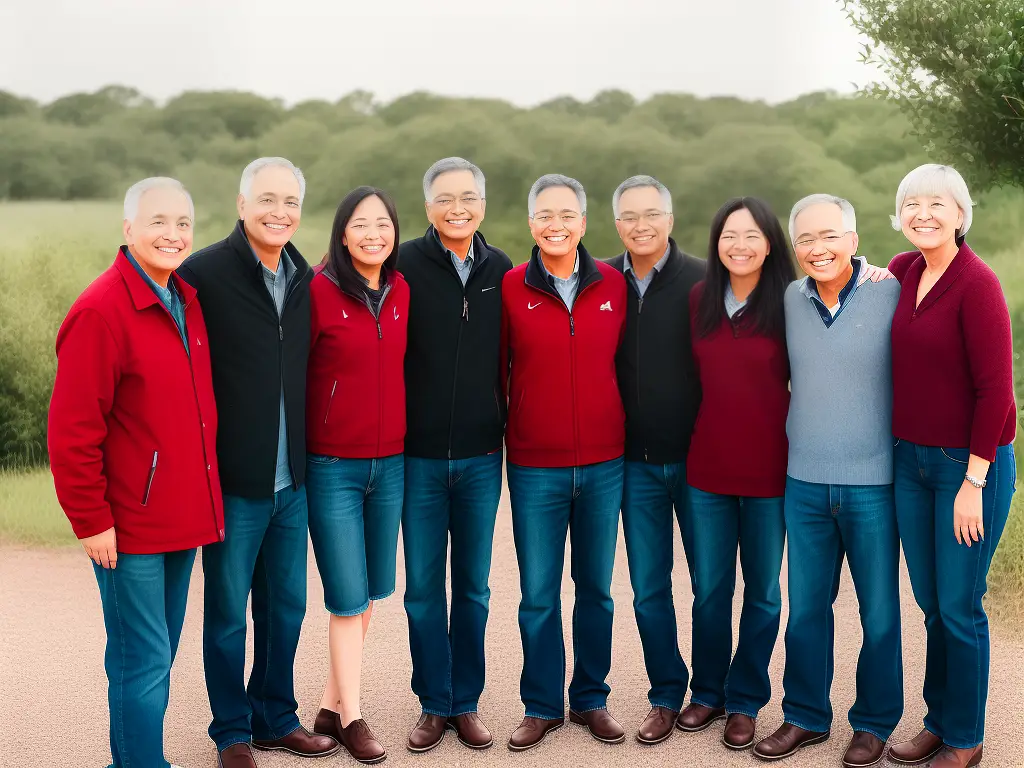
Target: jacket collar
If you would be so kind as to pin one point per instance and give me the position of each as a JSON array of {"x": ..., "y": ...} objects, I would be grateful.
[
  {"x": 963, "y": 259},
  {"x": 437, "y": 251},
  {"x": 673, "y": 265},
  {"x": 536, "y": 273},
  {"x": 239, "y": 243},
  {"x": 142, "y": 295}
]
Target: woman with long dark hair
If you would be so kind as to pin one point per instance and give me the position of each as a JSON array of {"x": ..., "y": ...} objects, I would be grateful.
[
  {"x": 736, "y": 466},
  {"x": 355, "y": 430}
]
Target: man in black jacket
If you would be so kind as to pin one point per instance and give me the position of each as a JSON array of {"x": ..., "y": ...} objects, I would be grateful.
[
  {"x": 661, "y": 394},
  {"x": 254, "y": 290},
  {"x": 455, "y": 420}
]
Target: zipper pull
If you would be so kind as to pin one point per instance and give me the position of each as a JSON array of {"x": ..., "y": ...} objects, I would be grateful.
[
  {"x": 572, "y": 326},
  {"x": 280, "y": 333},
  {"x": 465, "y": 309},
  {"x": 379, "y": 334},
  {"x": 640, "y": 305}
]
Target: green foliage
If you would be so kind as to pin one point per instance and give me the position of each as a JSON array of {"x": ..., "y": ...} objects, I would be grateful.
[{"x": 956, "y": 67}]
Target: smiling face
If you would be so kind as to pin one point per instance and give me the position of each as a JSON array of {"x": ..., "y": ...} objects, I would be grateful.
[
  {"x": 930, "y": 221},
  {"x": 160, "y": 235},
  {"x": 823, "y": 246},
  {"x": 642, "y": 222},
  {"x": 271, "y": 209},
  {"x": 456, "y": 207},
  {"x": 742, "y": 246},
  {"x": 557, "y": 224},
  {"x": 369, "y": 234}
]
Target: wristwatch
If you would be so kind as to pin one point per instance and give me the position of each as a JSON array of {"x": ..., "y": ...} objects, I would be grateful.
[{"x": 975, "y": 481}]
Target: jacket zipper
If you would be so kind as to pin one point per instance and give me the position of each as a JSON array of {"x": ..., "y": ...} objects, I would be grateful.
[
  {"x": 639, "y": 403},
  {"x": 149, "y": 480},
  {"x": 455, "y": 377},
  {"x": 330, "y": 401}
]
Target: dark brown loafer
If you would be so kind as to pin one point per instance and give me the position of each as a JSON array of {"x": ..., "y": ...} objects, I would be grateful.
[
  {"x": 919, "y": 749},
  {"x": 865, "y": 749},
  {"x": 787, "y": 741},
  {"x": 471, "y": 730},
  {"x": 957, "y": 758},
  {"x": 428, "y": 733},
  {"x": 602, "y": 726},
  {"x": 658, "y": 726},
  {"x": 697, "y": 717},
  {"x": 327, "y": 723},
  {"x": 739, "y": 731},
  {"x": 301, "y": 743},
  {"x": 532, "y": 731},
  {"x": 360, "y": 742},
  {"x": 236, "y": 756}
]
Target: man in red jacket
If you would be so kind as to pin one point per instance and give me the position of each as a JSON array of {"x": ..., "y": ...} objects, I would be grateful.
[
  {"x": 563, "y": 315},
  {"x": 132, "y": 441}
]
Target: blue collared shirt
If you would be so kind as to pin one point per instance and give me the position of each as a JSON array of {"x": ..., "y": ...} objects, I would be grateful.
[
  {"x": 462, "y": 266},
  {"x": 828, "y": 314},
  {"x": 566, "y": 287},
  {"x": 642, "y": 284},
  {"x": 168, "y": 297}
]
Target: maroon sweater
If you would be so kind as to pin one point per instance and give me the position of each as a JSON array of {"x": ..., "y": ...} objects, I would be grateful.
[
  {"x": 952, "y": 357},
  {"x": 739, "y": 445}
]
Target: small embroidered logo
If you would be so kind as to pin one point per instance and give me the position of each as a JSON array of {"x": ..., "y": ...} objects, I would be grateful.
[
  {"x": 529, "y": 305},
  {"x": 607, "y": 306}
]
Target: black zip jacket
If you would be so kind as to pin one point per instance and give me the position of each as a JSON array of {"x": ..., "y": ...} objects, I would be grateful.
[
  {"x": 253, "y": 355},
  {"x": 454, "y": 407},
  {"x": 657, "y": 377}
]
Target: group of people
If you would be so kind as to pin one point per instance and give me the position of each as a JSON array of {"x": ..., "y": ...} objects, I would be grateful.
[{"x": 240, "y": 400}]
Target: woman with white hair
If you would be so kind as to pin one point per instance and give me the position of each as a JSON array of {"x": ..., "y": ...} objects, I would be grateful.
[{"x": 954, "y": 421}]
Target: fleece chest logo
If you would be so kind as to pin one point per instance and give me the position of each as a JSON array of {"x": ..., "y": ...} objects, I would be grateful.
[
  {"x": 530, "y": 305},
  {"x": 344, "y": 315},
  {"x": 198, "y": 342},
  {"x": 607, "y": 306},
  {"x": 396, "y": 312}
]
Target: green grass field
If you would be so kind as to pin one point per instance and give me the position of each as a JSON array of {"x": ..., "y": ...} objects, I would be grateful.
[{"x": 53, "y": 250}]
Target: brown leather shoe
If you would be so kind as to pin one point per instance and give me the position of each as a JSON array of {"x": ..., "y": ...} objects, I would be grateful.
[
  {"x": 787, "y": 741},
  {"x": 865, "y": 749},
  {"x": 360, "y": 742},
  {"x": 471, "y": 730},
  {"x": 532, "y": 731},
  {"x": 697, "y": 717},
  {"x": 601, "y": 724},
  {"x": 428, "y": 733},
  {"x": 236, "y": 756},
  {"x": 328, "y": 724},
  {"x": 957, "y": 758},
  {"x": 302, "y": 743},
  {"x": 658, "y": 726},
  {"x": 919, "y": 749},
  {"x": 739, "y": 731}
]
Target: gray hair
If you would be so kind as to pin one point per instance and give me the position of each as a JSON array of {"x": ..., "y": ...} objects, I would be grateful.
[
  {"x": 245, "y": 185},
  {"x": 447, "y": 165},
  {"x": 849, "y": 215},
  {"x": 135, "y": 192},
  {"x": 639, "y": 182},
  {"x": 934, "y": 179},
  {"x": 550, "y": 181}
]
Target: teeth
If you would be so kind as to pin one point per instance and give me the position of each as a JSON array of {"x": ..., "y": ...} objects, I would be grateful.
[
  {"x": 459, "y": 222},
  {"x": 169, "y": 250},
  {"x": 276, "y": 226},
  {"x": 556, "y": 239},
  {"x": 824, "y": 263},
  {"x": 373, "y": 248},
  {"x": 643, "y": 239}
]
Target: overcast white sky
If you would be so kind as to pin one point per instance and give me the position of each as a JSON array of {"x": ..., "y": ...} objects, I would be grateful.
[{"x": 526, "y": 51}]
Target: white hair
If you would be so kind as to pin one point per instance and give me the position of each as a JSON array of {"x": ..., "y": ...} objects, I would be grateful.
[
  {"x": 245, "y": 185},
  {"x": 639, "y": 182},
  {"x": 933, "y": 179},
  {"x": 550, "y": 181},
  {"x": 135, "y": 192},
  {"x": 447, "y": 165},
  {"x": 844, "y": 205}
]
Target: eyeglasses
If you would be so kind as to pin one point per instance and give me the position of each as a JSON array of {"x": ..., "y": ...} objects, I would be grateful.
[
  {"x": 466, "y": 201},
  {"x": 568, "y": 217},
  {"x": 828, "y": 240},
  {"x": 651, "y": 217}
]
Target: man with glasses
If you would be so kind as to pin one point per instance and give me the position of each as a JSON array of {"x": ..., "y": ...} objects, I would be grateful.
[
  {"x": 563, "y": 315},
  {"x": 661, "y": 394},
  {"x": 839, "y": 487},
  {"x": 455, "y": 424}
]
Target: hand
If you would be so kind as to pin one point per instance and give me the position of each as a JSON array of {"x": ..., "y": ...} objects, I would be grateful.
[
  {"x": 102, "y": 548},
  {"x": 967, "y": 515},
  {"x": 875, "y": 274}
]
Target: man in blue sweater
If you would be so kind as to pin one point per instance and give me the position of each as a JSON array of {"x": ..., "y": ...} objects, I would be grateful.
[{"x": 839, "y": 486}]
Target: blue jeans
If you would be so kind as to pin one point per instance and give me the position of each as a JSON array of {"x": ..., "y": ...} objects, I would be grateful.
[
  {"x": 649, "y": 492},
  {"x": 460, "y": 498},
  {"x": 143, "y": 602},
  {"x": 757, "y": 527},
  {"x": 355, "y": 509},
  {"x": 950, "y": 580},
  {"x": 824, "y": 524},
  {"x": 548, "y": 503},
  {"x": 264, "y": 551}
]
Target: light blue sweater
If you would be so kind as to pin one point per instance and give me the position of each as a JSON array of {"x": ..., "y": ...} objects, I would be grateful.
[{"x": 840, "y": 413}]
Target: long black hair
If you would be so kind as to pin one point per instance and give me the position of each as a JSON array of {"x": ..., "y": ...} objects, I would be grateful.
[
  {"x": 338, "y": 261},
  {"x": 763, "y": 314}
]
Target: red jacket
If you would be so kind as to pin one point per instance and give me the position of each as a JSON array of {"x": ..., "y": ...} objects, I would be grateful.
[
  {"x": 739, "y": 445},
  {"x": 564, "y": 404},
  {"x": 952, "y": 357},
  {"x": 133, "y": 424},
  {"x": 355, "y": 385}
]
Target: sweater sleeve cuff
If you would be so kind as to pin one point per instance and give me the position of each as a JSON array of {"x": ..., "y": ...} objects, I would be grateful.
[{"x": 92, "y": 523}]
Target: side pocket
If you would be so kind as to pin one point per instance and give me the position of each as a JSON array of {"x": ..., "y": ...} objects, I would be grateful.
[
  {"x": 330, "y": 400},
  {"x": 948, "y": 453},
  {"x": 149, "y": 480}
]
